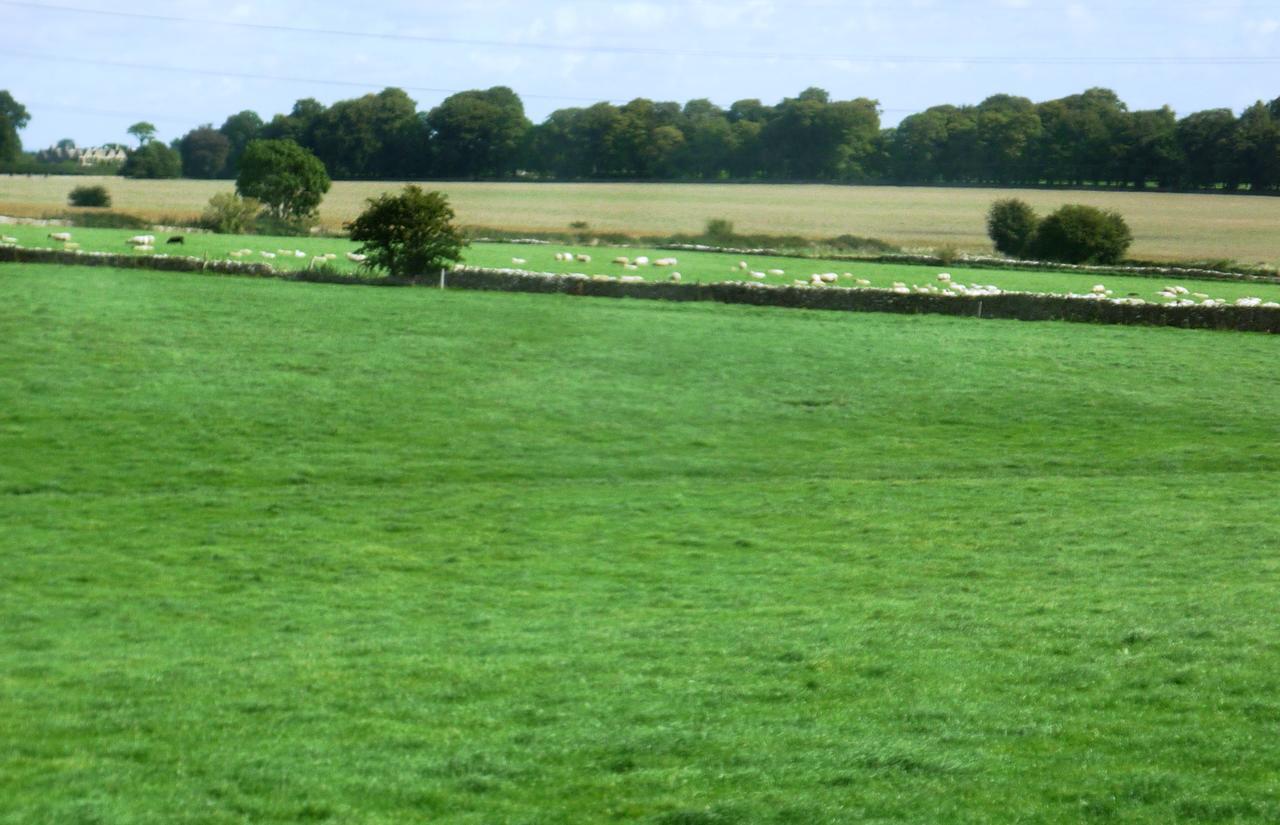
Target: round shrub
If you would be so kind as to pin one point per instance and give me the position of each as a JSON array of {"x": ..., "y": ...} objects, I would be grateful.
[
  {"x": 89, "y": 196},
  {"x": 409, "y": 234},
  {"x": 287, "y": 178},
  {"x": 1011, "y": 223},
  {"x": 1078, "y": 234}
]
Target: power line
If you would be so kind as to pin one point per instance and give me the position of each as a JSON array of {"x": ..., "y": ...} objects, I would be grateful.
[
  {"x": 151, "y": 67},
  {"x": 560, "y": 47}
]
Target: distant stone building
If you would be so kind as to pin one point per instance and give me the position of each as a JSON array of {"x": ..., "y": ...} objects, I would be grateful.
[{"x": 85, "y": 157}]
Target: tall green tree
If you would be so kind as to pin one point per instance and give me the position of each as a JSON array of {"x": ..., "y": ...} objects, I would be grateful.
[
  {"x": 1257, "y": 146},
  {"x": 368, "y": 137},
  {"x": 1008, "y": 128},
  {"x": 1207, "y": 142},
  {"x": 478, "y": 134},
  {"x": 238, "y": 129},
  {"x": 204, "y": 152},
  {"x": 13, "y": 116},
  {"x": 285, "y": 177}
]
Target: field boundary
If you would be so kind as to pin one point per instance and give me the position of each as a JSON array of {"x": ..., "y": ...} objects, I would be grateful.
[{"x": 1022, "y": 306}]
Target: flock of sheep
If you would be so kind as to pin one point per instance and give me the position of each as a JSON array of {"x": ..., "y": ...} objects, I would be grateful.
[{"x": 946, "y": 286}]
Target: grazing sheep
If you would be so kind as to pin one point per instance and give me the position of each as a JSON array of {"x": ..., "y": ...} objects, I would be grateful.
[
  {"x": 177, "y": 239},
  {"x": 264, "y": 253},
  {"x": 776, "y": 272},
  {"x": 630, "y": 266},
  {"x": 519, "y": 261},
  {"x": 828, "y": 277},
  {"x": 622, "y": 259},
  {"x": 7, "y": 239},
  {"x": 331, "y": 256},
  {"x": 141, "y": 240},
  {"x": 742, "y": 265},
  {"x": 1099, "y": 288},
  {"x": 298, "y": 253},
  {"x": 675, "y": 276},
  {"x": 757, "y": 275},
  {"x": 585, "y": 259},
  {"x": 144, "y": 247},
  {"x": 642, "y": 260},
  {"x": 356, "y": 257},
  {"x": 60, "y": 236},
  {"x": 665, "y": 262},
  {"x": 944, "y": 276},
  {"x": 862, "y": 282},
  {"x": 632, "y": 279}
]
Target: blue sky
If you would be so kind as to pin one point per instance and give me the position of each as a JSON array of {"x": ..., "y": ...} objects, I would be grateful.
[{"x": 181, "y": 63}]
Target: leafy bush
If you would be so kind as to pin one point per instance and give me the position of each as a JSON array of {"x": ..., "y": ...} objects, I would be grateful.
[
  {"x": 1078, "y": 234},
  {"x": 285, "y": 177},
  {"x": 152, "y": 160},
  {"x": 89, "y": 196},
  {"x": 229, "y": 214},
  {"x": 408, "y": 234},
  {"x": 1011, "y": 224},
  {"x": 719, "y": 230}
]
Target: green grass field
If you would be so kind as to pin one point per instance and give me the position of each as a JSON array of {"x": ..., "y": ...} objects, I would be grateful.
[
  {"x": 693, "y": 266},
  {"x": 1165, "y": 226},
  {"x": 279, "y": 552}
]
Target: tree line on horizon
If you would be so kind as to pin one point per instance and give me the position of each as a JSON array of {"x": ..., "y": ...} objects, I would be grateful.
[{"x": 1086, "y": 139}]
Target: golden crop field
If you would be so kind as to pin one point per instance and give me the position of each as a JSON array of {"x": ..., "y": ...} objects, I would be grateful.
[{"x": 1165, "y": 226}]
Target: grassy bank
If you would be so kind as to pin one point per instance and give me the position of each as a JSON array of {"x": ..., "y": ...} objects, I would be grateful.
[{"x": 290, "y": 552}]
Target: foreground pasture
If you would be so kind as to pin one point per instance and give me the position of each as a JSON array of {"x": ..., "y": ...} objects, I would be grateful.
[
  {"x": 1166, "y": 226},
  {"x": 693, "y": 266},
  {"x": 281, "y": 552}
]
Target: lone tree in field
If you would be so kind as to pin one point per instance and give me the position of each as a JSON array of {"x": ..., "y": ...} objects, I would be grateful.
[
  {"x": 288, "y": 179},
  {"x": 1077, "y": 234},
  {"x": 1011, "y": 223},
  {"x": 409, "y": 234}
]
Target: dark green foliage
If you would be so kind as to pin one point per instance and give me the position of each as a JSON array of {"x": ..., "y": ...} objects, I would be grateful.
[
  {"x": 152, "y": 160},
  {"x": 1078, "y": 234},
  {"x": 96, "y": 195},
  {"x": 408, "y": 235},
  {"x": 477, "y": 134},
  {"x": 1010, "y": 224},
  {"x": 204, "y": 152},
  {"x": 719, "y": 230},
  {"x": 239, "y": 129},
  {"x": 13, "y": 116},
  {"x": 286, "y": 178}
]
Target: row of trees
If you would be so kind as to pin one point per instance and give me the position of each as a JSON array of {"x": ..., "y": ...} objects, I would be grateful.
[{"x": 1085, "y": 139}]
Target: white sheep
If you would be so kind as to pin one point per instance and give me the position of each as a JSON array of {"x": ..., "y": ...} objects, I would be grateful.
[
  {"x": 264, "y": 253},
  {"x": 742, "y": 265},
  {"x": 675, "y": 276},
  {"x": 298, "y": 253},
  {"x": 828, "y": 277},
  {"x": 632, "y": 279},
  {"x": 776, "y": 272},
  {"x": 944, "y": 276},
  {"x": 757, "y": 275},
  {"x": 862, "y": 282},
  {"x": 519, "y": 261},
  {"x": 144, "y": 247},
  {"x": 642, "y": 260},
  {"x": 356, "y": 257},
  {"x": 60, "y": 236},
  {"x": 586, "y": 259},
  {"x": 622, "y": 259},
  {"x": 665, "y": 262},
  {"x": 7, "y": 239},
  {"x": 1099, "y": 288},
  {"x": 71, "y": 246}
]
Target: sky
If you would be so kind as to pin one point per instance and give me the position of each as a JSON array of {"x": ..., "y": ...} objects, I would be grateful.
[{"x": 88, "y": 69}]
